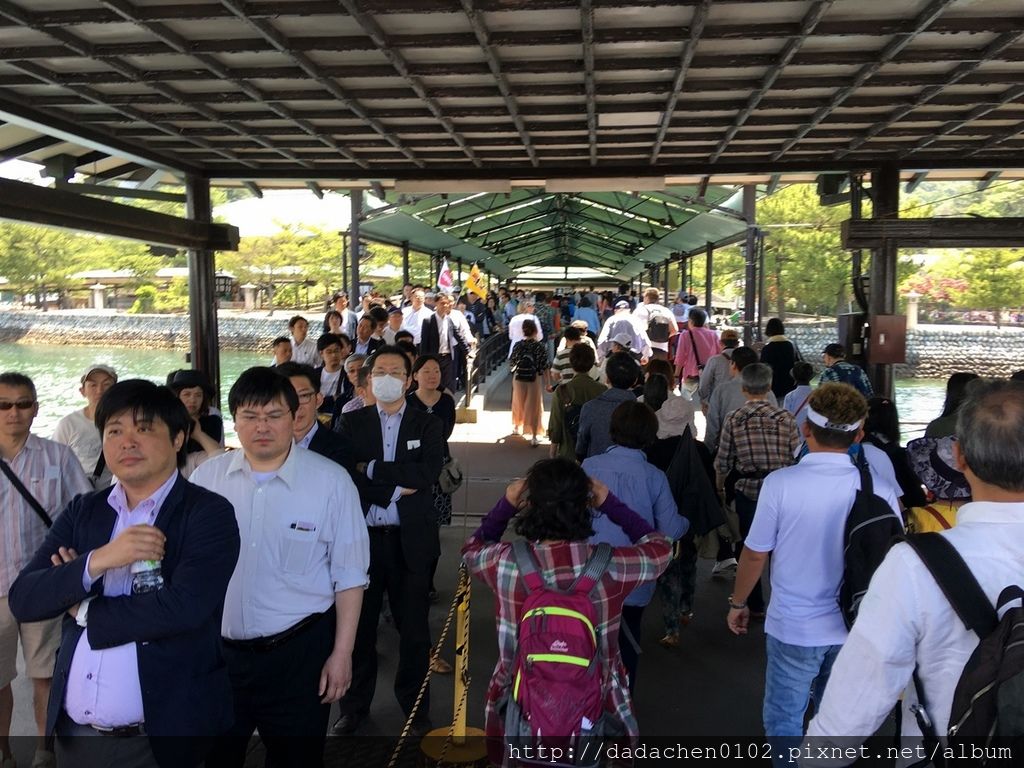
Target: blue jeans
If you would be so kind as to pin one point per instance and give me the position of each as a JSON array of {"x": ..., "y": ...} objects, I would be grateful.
[{"x": 793, "y": 675}]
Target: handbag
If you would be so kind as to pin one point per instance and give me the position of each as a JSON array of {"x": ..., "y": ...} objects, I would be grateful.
[
  {"x": 696, "y": 357},
  {"x": 451, "y": 477}
]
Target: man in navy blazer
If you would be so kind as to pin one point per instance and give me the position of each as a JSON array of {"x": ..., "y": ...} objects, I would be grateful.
[{"x": 140, "y": 670}]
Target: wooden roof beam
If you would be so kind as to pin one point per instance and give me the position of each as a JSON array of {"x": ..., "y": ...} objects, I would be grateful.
[
  {"x": 589, "y": 86},
  {"x": 1001, "y": 43},
  {"x": 773, "y": 183},
  {"x": 952, "y": 232},
  {"x": 987, "y": 179},
  {"x": 400, "y": 65},
  {"x": 285, "y": 46},
  {"x": 922, "y": 22},
  {"x": 313, "y": 187},
  {"x": 697, "y": 24},
  {"x": 807, "y": 25},
  {"x": 1007, "y": 97},
  {"x": 27, "y": 147},
  {"x": 253, "y": 188},
  {"x": 996, "y": 140},
  {"x": 484, "y": 40}
]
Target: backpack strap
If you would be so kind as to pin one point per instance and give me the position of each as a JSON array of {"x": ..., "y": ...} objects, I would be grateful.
[
  {"x": 592, "y": 572},
  {"x": 867, "y": 484},
  {"x": 956, "y": 581},
  {"x": 527, "y": 564}
]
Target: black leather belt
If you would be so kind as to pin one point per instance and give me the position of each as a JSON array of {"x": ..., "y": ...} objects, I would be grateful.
[
  {"x": 383, "y": 530},
  {"x": 270, "y": 642},
  {"x": 68, "y": 727}
]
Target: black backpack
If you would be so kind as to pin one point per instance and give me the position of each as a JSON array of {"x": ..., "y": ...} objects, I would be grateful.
[
  {"x": 871, "y": 529},
  {"x": 525, "y": 367},
  {"x": 657, "y": 326},
  {"x": 988, "y": 702}
]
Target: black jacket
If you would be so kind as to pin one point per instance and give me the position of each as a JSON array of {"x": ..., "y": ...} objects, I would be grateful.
[
  {"x": 328, "y": 444},
  {"x": 186, "y": 693}
]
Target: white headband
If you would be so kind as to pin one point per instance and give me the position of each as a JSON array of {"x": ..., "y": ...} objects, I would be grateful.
[{"x": 822, "y": 421}]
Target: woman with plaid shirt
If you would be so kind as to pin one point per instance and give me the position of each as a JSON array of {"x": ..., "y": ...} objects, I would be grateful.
[{"x": 555, "y": 504}]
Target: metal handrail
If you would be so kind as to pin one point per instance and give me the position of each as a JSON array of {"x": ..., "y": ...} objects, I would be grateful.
[{"x": 489, "y": 355}]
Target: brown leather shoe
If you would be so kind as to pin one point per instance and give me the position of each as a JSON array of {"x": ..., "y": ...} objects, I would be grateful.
[
  {"x": 670, "y": 640},
  {"x": 440, "y": 666}
]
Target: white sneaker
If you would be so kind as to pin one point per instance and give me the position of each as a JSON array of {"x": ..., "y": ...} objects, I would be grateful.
[
  {"x": 44, "y": 759},
  {"x": 725, "y": 567},
  {"x": 534, "y": 441}
]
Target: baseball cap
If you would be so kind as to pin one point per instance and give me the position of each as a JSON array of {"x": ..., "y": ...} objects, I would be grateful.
[
  {"x": 394, "y": 311},
  {"x": 622, "y": 304},
  {"x": 835, "y": 350},
  {"x": 623, "y": 340},
  {"x": 98, "y": 367}
]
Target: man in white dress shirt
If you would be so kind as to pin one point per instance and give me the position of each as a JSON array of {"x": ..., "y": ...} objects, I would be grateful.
[
  {"x": 905, "y": 623},
  {"x": 415, "y": 314},
  {"x": 293, "y": 603},
  {"x": 515, "y": 325},
  {"x": 303, "y": 348}
]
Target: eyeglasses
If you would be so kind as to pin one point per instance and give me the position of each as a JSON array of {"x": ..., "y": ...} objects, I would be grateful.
[
  {"x": 305, "y": 397},
  {"x": 21, "y": 405}
]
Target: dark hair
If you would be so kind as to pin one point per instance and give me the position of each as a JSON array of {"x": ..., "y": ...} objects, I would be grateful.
[
  {"x": 280, "y": 340},
  {"x": 621, "y": 370},
  {"x": 1017, "y": 376},
  {"x": 402, "y": 335},
  {"x": 407, "y": 348},
  {"x": 378, "y": 313},
  {"x": 582, "y": 358},
  {"x": 327, "y": 319},
  {"x": 585, "y": 302},
  {"x": 692, "y": 301},
  {"x": 664, "y": 367},
  {"x": 633, "y": 425},
  {"x": 362, "y": 376},
  {"x": 188, "y": 378},
  {"x": 292, "y": 368},
  {"x": 529, "y": 328},
  {"x": 883, "y": 419},
  {"x": 423, "y": 360},
  {"x": 557, "y": 504},
  {"x": 774, "y": 327},
  {"x": 572, "y": 334},
  {"x": 368, "y": 318},
  {"x": 329, "y": 340},
  {"x": 656, "y": 390},
  {"x": 15, "y": 379},
  {"x": 259, "y": 386},
  {"x": 392, "y": 349},
  {"x": 295, "y": 319},
  {"x": 697, "y": 316},
  {"x": 147, "y": 402},
  {"x": 802, "y": 372},
  {"x": 742, "y": 357},
  {"x": 955, "y": 391},
  {"x": 990, "y": 431}
]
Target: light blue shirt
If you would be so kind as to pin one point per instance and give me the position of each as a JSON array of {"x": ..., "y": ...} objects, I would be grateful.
[
  {"x": 644, "y": 489},
  {"x": 590, "y": 315},
  {"x": 795, "y": 399},
  {"x": 390, "y": 424}
]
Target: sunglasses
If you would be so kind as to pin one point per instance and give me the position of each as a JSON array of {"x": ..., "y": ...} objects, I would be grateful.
[{"x": 21, "y": 405}]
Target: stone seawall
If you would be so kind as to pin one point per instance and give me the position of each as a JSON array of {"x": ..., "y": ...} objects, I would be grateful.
[
  {"x": 938, "y": 351},
  {"x": 932, "y": 351}
]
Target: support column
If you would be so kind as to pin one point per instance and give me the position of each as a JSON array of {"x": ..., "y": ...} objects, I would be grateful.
[
  {"x": 762, "y": 292},
  {"x": 750, "y": 283},
  {"x": 458, "y": 268},
  {"x": 885, "y": 195},
  {"x": 405, "y": 262},
  {"x": 356, "y": 196},
  {"x": 202, "y": 286},
  {"x": 665, "y": 287},
  {"x": 709, "y": 267},
  {"x": 344, "y": 261}
]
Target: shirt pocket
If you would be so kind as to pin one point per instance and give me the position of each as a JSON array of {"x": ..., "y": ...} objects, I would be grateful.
[{"x": 297, "y": 550}]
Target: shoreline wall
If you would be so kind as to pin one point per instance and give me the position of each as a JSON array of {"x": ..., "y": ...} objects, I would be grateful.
[{"x": 932, "y": 352}]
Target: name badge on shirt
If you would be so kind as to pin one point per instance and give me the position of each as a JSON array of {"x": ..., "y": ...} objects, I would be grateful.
[{"x": 412, "y": 444}]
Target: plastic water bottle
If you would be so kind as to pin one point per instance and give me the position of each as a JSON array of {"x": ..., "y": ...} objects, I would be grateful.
[{"x": 146, "y": 576}]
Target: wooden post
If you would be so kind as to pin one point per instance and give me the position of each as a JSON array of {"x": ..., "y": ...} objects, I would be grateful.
[{"x": 202, "y": 289}]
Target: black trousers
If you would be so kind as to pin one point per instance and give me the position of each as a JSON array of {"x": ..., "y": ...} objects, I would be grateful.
[
  {"x": 745, "y": 507},
  {"x": 408, "y": 590},
  {"x": 275, "y": 691},
  {"x": 447, "y": 372}
]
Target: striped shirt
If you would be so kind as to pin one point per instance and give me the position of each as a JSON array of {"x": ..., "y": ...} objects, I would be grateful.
[
  {"x": 756, "y": 439},
  {"x": 560, "y": 563},
  {"x": 51, "y": 472}
]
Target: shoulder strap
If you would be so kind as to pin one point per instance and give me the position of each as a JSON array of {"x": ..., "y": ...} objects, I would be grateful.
[
  {"x": 956, "y": 581},
  {"x": 592, "y": 572},
  {"x": 101, "y": 464},
  {"x": 866, "y": 482},
  {"x": 797, "y": 411},
  {"x": 527, "y": 565},
  {"x": 26, "y": 494},
  {"x": 696, "y": 354}
]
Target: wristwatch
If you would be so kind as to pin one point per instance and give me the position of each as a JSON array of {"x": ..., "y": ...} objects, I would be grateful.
[{"x": 737, "y": 606}]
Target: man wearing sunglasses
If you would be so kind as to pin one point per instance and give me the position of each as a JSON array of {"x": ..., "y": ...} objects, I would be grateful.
[{"x": 39, "y": 478}]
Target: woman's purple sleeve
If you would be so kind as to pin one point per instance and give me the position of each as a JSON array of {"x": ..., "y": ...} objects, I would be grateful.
[
  {"x": 629, "y": 521},
  {"x": 494, "y": 524}
]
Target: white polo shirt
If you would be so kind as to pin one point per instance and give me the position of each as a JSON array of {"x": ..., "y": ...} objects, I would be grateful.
[{"x": 801, "y": 512}]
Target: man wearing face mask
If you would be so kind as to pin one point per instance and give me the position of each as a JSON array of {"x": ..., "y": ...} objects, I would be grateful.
[{"x": 394, "y": 455}]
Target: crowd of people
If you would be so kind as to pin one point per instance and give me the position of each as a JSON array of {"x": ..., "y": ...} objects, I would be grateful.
[{"x": 161, "y": 585}]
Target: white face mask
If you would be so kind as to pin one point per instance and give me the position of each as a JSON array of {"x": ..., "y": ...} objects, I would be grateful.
[{"x": 387, "y": 389}]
